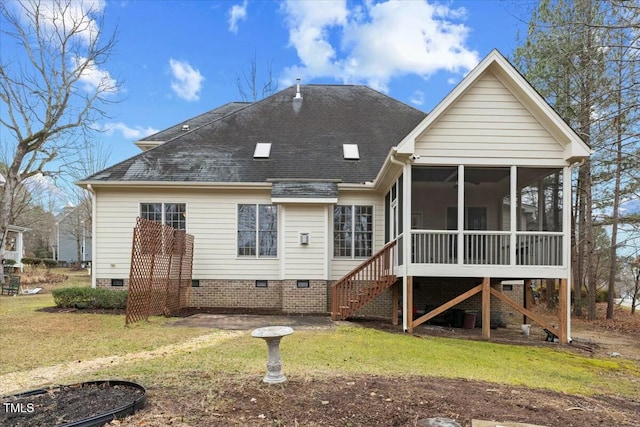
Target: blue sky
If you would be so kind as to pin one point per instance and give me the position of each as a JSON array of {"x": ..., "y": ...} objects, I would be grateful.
[{"x": 177, "y": 59}]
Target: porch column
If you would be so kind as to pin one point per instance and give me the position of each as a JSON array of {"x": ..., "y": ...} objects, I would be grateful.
[
  {"x": 513, "y": 214},
  {"x": 486, "y": 308},
  {"x": 461, "y": 249},
  {"x": 19, "y": 250}
]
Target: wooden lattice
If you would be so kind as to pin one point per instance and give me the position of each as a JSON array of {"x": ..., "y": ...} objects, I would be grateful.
[{"x": 160, "y": 275}]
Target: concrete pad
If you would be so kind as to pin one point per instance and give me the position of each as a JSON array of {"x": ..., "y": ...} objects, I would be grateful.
[
  {"x": 480, "y": 423},
  {"x": 244, "y": 322}
]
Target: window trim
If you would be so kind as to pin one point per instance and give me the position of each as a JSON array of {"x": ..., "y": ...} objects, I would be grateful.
[
  {"x": 257, "y": 232},
  {"x": 353, "y": 240}
]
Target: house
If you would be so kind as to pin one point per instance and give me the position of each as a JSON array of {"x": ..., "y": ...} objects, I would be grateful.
[
  {"x": 14, "y": 244},
  {"x": 338, "y": 198},
  {"x": 73, "y": 235}
]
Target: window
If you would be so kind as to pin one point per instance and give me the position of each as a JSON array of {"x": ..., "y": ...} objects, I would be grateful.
[
  {"x": 258, "y": 233},
  {"x": 171, "y": 214},
  {"x": 353, "y": 231}
]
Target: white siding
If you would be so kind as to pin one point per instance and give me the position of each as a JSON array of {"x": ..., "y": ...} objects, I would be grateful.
[
  {"x": 211, "y": 218},
  {"x": 341, "y": 266},
  {"x": 488, "y": 121},
  {"x": 305, "y": 261}
]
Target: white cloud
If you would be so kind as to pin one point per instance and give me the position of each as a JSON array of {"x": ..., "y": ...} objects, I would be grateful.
[
  {"x": 95, "y": 79},
  {"x": 377, "y": 41},
  {"x": 237, "y": 13},
  {"x": 417, "y": 98},
  {"x": 187, "y": 81},
  {"x": 59, "y": 17},
  {"x": 134, "y": 133}
]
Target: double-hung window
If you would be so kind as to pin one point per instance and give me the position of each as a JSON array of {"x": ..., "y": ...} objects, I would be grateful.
[
  {"x": 352, "y": 231},
  {"x": 258, "y": 230},
  {"x": 171, "y": 214}
]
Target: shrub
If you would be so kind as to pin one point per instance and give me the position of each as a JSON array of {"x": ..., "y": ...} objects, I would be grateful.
[
  {"x": 50, "y": 263},
  {"x": 93, "y": 298},
  {"x": 8, "y": 262},
  {"x": 31, "y": 261},
  {"x": 602, "y": 295}
]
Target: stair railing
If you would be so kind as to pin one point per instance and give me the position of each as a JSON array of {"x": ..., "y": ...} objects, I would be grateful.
[{"x": 363, "y": 283}]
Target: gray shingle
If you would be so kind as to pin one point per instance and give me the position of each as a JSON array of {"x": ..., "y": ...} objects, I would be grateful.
[{"x": 306, "y": 140}]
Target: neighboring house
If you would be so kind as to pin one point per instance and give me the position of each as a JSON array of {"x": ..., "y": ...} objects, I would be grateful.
[
  {"x": 73, "y": 235},
  {"x": 338, "y": 198},
  {"x": 14, "y": 246}
]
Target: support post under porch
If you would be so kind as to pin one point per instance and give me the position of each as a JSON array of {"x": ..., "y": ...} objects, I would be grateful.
[
  {"x": 409, "y": 312},
  {"x": 563, "y": 311},
  {"x": 395, "y": 291},
  {"x": 486, "y": 308}
]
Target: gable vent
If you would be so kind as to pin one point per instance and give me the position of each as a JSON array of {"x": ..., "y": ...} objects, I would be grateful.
[
  {"x": 262, "y": 151},
  {"x": 350, "y": 152}
]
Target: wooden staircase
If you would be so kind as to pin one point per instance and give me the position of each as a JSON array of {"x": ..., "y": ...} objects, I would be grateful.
[{"x": 364, "y": 283}]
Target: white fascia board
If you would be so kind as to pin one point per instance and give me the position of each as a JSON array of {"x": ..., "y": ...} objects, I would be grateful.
[
  {"x": 353, "y": 186},
  {"x": 305, "y": 200},
  {"x": 177, "y": 184},
  {"x": 17, "y": 228},
  {"x": 576, "y": 152},
  {"x": 148, "y": 145}
]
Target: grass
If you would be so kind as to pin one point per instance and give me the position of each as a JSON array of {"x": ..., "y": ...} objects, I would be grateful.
[
  {"x": 359, "y": 351},
  {"x": 37, "y": 338},
  {"x": 32, "y": 338}
]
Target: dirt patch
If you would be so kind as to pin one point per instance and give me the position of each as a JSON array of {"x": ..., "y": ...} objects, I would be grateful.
[
  {"x": 373, "y": 401},
  {"x": 66, "y": 404}
]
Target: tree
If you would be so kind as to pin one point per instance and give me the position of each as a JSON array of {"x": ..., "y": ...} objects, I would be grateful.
[
  {"x": 53, "y": 91},
  {"x": 564, "y": 62},
  {"x": 248, "y": 85}
]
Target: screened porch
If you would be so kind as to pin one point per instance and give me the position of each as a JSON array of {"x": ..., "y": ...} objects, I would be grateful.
[{"x": 487, "y": 216}]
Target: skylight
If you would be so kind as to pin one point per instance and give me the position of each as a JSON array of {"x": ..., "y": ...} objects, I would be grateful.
[
  {"x": 350, "y": 151},
  {"x": 262, "y": 150}
]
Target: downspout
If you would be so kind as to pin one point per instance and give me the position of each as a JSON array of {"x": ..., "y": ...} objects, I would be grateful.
[
  {"x": 405, "y": 302},
  {"x": 93, "y": 235}
]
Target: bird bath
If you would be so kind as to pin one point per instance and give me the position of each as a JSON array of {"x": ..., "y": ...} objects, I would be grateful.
[{"x": 272, "y": 335}]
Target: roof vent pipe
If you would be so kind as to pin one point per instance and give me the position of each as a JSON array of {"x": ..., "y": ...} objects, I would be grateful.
[{"x": 298, "y": 94}]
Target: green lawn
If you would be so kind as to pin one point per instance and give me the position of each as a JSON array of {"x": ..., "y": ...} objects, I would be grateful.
[{"x": 32, "y": 338}]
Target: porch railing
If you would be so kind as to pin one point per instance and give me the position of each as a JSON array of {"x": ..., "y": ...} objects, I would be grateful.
[
  {"x": 486, "y": 247},
  {"x": 12, "y": 255},
  {"x": 364, "y": 283},
  {"x": 538, "y": 248}
]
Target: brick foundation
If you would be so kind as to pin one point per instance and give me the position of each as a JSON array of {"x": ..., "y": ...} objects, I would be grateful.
[
  {"x": 285, "y": 296},
  {"x": 279, "y": 295}
]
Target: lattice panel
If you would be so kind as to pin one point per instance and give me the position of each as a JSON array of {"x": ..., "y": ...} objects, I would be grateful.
[{"x": 158, "y": 258}]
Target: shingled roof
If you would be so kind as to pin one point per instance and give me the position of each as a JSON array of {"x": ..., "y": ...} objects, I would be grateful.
[{"x": 306, "y": 137}]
